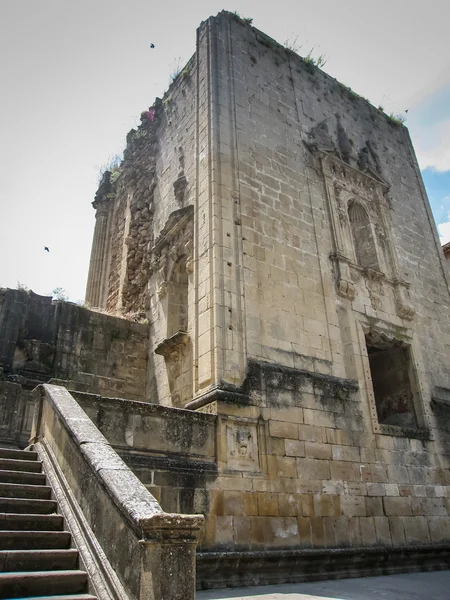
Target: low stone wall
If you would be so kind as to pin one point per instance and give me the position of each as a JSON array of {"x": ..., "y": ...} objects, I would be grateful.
[
  {"x": 172, "y": 451},
  {"x": 42, "y": 340}
]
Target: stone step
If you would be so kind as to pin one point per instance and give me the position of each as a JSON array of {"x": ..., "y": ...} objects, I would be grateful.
[
  {"x": 22, "y": 477},
  {"x": 27, "y": 522},
  {"x": 18, "y": 454},
  {"x": 23, "y": 584},
  {"x": 12, "y": 464},
  {"x": 33, "y": 540},
  {"x": 64, "y": 597},
  {"x": 27, "y": 506},
  {"x": 18, "y": 490},
  {"x": 38, "y": 560}
]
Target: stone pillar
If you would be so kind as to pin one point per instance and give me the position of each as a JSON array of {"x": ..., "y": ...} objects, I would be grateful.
[
  {"x": 98, "y": 254},
  {"x": 168, "y": 556}
]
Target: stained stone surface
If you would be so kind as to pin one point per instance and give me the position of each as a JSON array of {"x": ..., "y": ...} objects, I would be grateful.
[{"x": 296, "y": 291}]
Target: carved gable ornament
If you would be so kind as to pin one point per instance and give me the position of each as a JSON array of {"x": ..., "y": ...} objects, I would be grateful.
[{"x": 359, "y": 210}]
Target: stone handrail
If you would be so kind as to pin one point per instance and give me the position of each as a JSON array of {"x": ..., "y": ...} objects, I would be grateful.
[{"x": 129, "y": 524}]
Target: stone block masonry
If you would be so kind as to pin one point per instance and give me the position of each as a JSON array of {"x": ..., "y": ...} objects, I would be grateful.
[
  {"x": 285, "y": 222},
  {"x": 288, "y": 295}
]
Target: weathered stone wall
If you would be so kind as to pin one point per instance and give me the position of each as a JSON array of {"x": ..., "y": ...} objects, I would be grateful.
[
  {"x": 154, "y": 183},
  {"x": 309, "y": 166},
  {"x": 297, "y": 470},
  {"x": 172, "y": 451},
  {"x": 312, "y": 261},
  {"x": 446, "y": 249},
  {"x": 42, "y": 340}
]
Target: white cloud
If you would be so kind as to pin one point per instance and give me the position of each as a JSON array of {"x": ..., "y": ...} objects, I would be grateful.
[
  {"x": 432, "y": 146},
  {"x": 444, "y": 231}
]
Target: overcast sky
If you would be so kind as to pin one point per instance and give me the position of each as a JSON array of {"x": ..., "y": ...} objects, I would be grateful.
[{"x": 75, "y": 76}]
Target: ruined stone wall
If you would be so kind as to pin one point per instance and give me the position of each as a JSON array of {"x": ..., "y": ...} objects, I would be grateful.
[
  {"x": 145, "y": 258},
  {"x": 294, "y": 471},
  {"x": 42, "y": 340},
  {"x": 285, "y": 110}
]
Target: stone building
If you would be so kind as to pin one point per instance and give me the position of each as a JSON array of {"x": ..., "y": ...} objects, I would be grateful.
[{"x": 273, "y": 228}]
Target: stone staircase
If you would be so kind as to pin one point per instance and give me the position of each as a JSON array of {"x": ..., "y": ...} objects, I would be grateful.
[{"x": 36, "y": 558}]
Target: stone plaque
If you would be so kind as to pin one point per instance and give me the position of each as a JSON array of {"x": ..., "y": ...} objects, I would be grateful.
[{"x": 242, "y": 447}]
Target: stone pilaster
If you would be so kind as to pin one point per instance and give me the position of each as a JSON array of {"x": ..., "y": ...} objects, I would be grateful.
[{"x": 98, "y": 255}]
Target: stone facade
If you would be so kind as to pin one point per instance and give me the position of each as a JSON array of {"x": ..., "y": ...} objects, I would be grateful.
[{"x": 273, "y": 228}]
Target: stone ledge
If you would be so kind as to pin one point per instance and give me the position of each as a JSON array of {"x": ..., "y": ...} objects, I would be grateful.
[
  {"x": 409, "y": 432},
  {"x": 219, "y": 394},
  {"x": 177, "y": 339},
  {"x": 235, "y": 569}
]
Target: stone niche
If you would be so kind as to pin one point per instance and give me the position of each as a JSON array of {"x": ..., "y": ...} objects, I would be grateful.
[{"x": 171, "y": 268}]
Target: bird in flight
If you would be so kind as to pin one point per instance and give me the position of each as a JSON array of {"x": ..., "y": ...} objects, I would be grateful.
[
  {"x": 46, "y": 249},
  {"x": 152, "y": 45}
]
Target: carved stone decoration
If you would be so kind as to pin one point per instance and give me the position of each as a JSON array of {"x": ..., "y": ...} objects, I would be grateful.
[
  {"x": 405, "y": 311},
  {"x": 346, "y": 186},
  {"x": 373, "y": 286},
  {"x": 404, "y": 308},
  {"x": 177, "y": 352},
  {"x": 172, "y": 345},
  {"x": 170, "y": 265},
  {"x": 319, "y": 138},
  {"x": 346, "y": 289},
  {"x": 341, "y": 202},
  {"x": 242, "y": 447},
  {"x": 368, "y": 160}
]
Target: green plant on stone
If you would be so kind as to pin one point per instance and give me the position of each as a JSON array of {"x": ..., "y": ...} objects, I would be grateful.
[
  {"x": 22, "y": 287},
  {"x": 353, "y": 95},
  {"x": 319, "y": 62},
  {"x": 112, "y": 163},
  {"x": 292, "y": 44},
  {"x": 238, "y": 17},
  {"x": 115, "y": 174},
  {"x": 175, "y": 69},
  {"x": 396, "y": 120}
]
